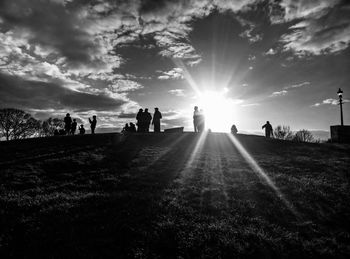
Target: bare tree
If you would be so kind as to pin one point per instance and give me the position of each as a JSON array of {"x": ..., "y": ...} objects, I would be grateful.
[
  {"x": 283, "y": 132},
  {"x": 17, "y": 124},
  {"x": 49, "y": 126},
  {"x": 303, "y": 136}
]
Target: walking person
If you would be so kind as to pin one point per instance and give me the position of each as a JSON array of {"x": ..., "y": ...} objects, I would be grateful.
[
  {"x": 268, "y": 130},
  {"x": 67, "y": 123},
  {"x": 156, "y": 120},
  {"x": 93, "y": 123}
]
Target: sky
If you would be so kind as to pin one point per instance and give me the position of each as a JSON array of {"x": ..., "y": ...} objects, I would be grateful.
[{"x": 243, "y": 62}]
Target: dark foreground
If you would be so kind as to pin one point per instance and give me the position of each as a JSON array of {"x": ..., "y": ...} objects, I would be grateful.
[{"x": 146, "y": 196}]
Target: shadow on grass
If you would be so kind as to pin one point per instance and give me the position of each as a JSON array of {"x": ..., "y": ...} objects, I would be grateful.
[{"x": 134, "y": 197}]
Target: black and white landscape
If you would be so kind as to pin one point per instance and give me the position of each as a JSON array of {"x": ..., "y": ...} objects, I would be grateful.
[{"x": 174, "y": 129}]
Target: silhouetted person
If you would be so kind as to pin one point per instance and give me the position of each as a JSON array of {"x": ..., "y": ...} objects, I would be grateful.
[
  {"x": 148, "y": 119},
  {"x": 74, "y": 126},
  {"x": 268, "y": 129},
  {"x": 132, "y": 127},
  {"x": 140, "y": 121},
  {"x": 126, "y": 128},
  {"x": 234, "y": 129},
  {"x": 195, "y": 118},
  {"x": 156, "y": 120},
  {"x": 56, "y": 132},
  {"x": 93, "y": 123},
  {"x": 201, "y": 121},
  {"x": 81, "y": 129},
  {"x": 67, "y": 123}
]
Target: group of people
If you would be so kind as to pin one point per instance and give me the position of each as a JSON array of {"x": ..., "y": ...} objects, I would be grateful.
[
  {"x": 129, "y": 127},
  {"x": 199, "y": 124},
  {"x": 267, "y": 126},
  {"x": 198, "y": 120},
  {"x": 144, "y": 120},
  {"x": 70, "y": 126}
]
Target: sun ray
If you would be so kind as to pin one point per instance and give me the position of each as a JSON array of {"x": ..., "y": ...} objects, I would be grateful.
[
  {"x": 188, "y": 77},
  {"x": 169, "y": 149},
  {"x": 260, "y": 172},
  {"x": 198, "y": 147}
]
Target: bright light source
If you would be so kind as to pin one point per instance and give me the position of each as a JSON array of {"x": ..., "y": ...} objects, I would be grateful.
[{"x": 218, "y": 110}]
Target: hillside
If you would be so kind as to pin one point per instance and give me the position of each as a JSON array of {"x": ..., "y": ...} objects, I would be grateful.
[{"x": 165, "y": 195}]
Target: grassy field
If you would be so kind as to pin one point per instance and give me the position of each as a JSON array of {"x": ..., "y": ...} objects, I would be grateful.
[{"x": 173, "y": 196}]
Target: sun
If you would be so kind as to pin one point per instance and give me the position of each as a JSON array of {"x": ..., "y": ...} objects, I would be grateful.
[{"x": 218, "y": 110}]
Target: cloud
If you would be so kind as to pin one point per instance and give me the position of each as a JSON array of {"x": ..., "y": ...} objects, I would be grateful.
[
  {"x": 26, "y": 94},
  {"x": 251, "y": 57},
  {"x": 82, "y": 35},
  {"x": 297, "y": 85},
  {"x": 271, "y": 52},
  {"x": 252, "y": 37},
  {"x": 250, "y": 104},
  {"x": 289, "y": 87},
  {"x": 119, "y": 86},
  {"x": 175, "y": 73},
  {"x": 49, "y": 25},
  {"x": 177, "y": 92},
  {"x": 329, "y": 101},
  {"x": 194, "y": 62},
  {"x": 324, "y": 26},
  {"x": 279, "y": 93},
  {"x": 127, "y": 115},
  {"x": 296, "y": 9}
]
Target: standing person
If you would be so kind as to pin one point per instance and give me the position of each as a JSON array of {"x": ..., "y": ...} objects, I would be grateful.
[
  {"x": 67, "y": 123},
  {"x": 74, "y": 126},
  {"x": 156, "y": 120},
  {"x": 148, "y": 119},
  {"x": 195, "y": 118},
  {"x": 268, "y": 129},
  {"x": 93, "y": 123},
  {"x": 139, "y": 118}
]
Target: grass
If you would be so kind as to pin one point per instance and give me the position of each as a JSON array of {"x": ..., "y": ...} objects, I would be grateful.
[{"x": 138, "y": 196}]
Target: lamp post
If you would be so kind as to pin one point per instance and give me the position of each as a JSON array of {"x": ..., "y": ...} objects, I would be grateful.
[{"x": 340, "y": 94}]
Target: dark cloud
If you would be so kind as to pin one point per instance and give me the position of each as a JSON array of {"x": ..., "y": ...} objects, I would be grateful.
[
  {"x": 16, "y": 92},
  {"x": 50, "y": 24},
  {"x": 127, "y": 115},
  {"x": 322, "y": 26}
]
